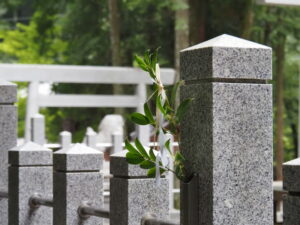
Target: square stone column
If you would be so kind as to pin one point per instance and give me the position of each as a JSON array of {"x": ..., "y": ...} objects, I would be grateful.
[
  {"x": 37, "y": 129},
  {"x": 133, "y": 194},
  {"x": 30, "y": 173},
  {"x": 226, "y": 135},
  {"x": 77, "y": 180},
  {"x": 8, "y": 139},
  {"x": 291, "y": 201}
]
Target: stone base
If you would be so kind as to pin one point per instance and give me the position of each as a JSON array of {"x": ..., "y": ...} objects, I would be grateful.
[
  {"x": 131, "y": 199},
  {"x": 70, "y": 190},
  {"x": 3, "y": 211},
  {"x": 291, "y": 210}
]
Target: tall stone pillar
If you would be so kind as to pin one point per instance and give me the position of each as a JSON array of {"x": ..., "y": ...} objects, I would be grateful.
[
  {"x": 227, "y": 133},
  {"x": 8, "y": 139},
  {"x": 134, "y": 195}
]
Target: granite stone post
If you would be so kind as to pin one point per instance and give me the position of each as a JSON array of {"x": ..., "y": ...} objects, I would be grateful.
[
  {"x": 30, "y": 173},
  {"x": 117, "y": 143},
  {"x": 133, "y": 194},
  {"x": 65, "y": 139},
  {"x": 38, "y": 129},
  {"x": 226, "y": 135},
  {"x": 8, "y": 139},
  {"x": 77, "y": 180},
  {"x": 291, "y": 201}
]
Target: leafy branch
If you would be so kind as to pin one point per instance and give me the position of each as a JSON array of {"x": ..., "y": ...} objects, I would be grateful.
[{"x": 165, "y": 109}]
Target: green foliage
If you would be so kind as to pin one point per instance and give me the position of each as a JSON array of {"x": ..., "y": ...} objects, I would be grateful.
[{"x": 138, "y": 154}]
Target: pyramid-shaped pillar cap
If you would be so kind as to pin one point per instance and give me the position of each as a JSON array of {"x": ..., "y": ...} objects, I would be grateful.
[
  {"x": 30, "y": 154},
  {"x": 78, "y": 157},
  {"x": 226, "y": 57},
  {"x": 8, "y": 92}
]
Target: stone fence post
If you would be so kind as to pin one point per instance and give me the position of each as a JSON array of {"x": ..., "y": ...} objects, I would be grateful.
[
  {"x": 30, "y": 173},
  {"x": 117, "y": 143},
  {"x": 65, "y": 139},
  {"x": 291, "y": 201},
  {"x": 133, "y": 194},
  {"x": 8, "y": 139},
  {"x": 38, "y": 129},
  {"x": 77, "y": 180},
  {"x": 227, "y": 133}
]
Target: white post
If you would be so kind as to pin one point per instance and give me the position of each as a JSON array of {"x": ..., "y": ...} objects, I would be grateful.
[
  {"x": 91, "y": 137},
  {"x": 117, "y": 142},
  {"x": 38, "y": 129},
  {"x": 143, "y": 132},
  {"x": 32, "y": 107},
  {"x": 171, "y": 175},
  {"x": 65, "y": 139}
]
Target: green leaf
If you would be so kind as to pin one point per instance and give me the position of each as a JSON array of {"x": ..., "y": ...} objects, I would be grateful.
[
  {"x": 167, "y": 145},
  {"x": 154, "y": 59},
  {"x": 183, "y": 107},
  {"x": 139, "y": 118},
  {"x": 130, "y": 147},
  {"x": 152, "y": 155},
  {"x": 133, "y": 158},
  {"x": 174, "y": 92},
  {"x": 146, "y": 164},
  {"x": 152, "y": 172},
  {"x": 141, "y": 63},
  {"x": 141, "y": 149},
  {"x": 147, "y": 57},
  {"x": 148, "y": 113},
  {"x": 179, "y": 157},
  {"x": 159, "y": 104}
]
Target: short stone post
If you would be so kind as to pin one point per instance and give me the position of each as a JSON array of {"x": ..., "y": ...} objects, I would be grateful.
[
  {"x": 91, "y": 137},
  {"x": 226, "y": 135},
  {"x": 133, "y": 194},
  {"x": 291, "y": 201},
  {"x": 117, "y": 143},
  {"x": 38, "y": 129},
  {"x": 65, "y": 139},
  {"x": 30, "y": 173},
  {"x": 77, "y": 180},
  {"x": 8, "y": 139}
]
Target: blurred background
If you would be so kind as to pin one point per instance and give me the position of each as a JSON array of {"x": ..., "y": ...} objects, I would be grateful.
[{"x": 110, "y": 32}]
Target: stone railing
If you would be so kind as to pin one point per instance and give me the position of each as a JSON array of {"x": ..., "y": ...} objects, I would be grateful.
[{"x": 226, "y": 139}]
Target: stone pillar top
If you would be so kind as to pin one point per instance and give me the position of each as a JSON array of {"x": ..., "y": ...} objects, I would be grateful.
[
  {"x": 291, "y": 174},
  {"x": 119, "y": 167},
  {"x": 78, "y": 157},
  {"x": 226, "y": 57},
  {"x": 30, "y": 154},
  {"x": 8, "y": 92}
]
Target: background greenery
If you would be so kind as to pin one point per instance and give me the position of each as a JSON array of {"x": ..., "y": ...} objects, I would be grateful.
[{"x": 79, "y": 32}]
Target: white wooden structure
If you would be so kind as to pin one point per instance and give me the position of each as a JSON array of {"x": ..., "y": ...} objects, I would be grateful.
[
  {"x": 36, "y": 74},
  {"x": 280, "y": 2}
]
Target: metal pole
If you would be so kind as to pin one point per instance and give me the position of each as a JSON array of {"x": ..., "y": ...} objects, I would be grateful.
[
  {"x": 85, "y": 211},
  {"x": 150, "y": 220},
  {"x": 36, "y": 201}
]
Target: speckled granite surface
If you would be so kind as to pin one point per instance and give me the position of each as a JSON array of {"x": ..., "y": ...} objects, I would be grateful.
[
  {"x": 291, "y": 210},
  {"x": 8, "y": 138},
  {"x": 291, "y": 175},
  {"x": 131, "y": 199},
  {"x": 227, "y": 133}
]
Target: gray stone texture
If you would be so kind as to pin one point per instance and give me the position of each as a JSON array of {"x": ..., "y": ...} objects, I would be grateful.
[
  {"x": 78, "y": 157},
  {"x": 227, "y": 133},
  {"x": 226, "y": 57},
  {"x": 8, "y": 138},
  {"x": 291, "y": 210},
  {"x": 70, "y": 190},
  {"x": 8, "y": 92},
  {"x": 23, "y": 183},
  {"x": 119, "y": 167},
  {"x": 30, "y": 154},
  {"x": 131, "y": 199},
  {"x": 291, "y": 175}
]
